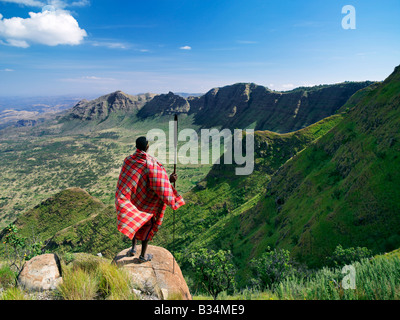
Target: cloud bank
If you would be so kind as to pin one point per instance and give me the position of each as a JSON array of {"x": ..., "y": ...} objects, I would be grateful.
[{"x": 50, "y": 27}]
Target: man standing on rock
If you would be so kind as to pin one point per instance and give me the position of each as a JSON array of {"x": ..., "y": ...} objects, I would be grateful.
[{"x": 143, "y": 193}]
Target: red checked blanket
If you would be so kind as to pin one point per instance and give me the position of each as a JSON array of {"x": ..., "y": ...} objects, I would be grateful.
[{"x": 143, "y": 193}]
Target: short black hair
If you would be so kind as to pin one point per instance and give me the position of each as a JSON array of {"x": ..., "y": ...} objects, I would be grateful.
[{"x": 142, "y": 143}]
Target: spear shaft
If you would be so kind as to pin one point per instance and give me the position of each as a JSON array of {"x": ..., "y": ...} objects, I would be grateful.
[{"x": 175, "y": 162}]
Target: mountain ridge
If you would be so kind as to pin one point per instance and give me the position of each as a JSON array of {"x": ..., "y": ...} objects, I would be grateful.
[
  {"x": 102, "y": 107},
  {"x": 240, "y": 105}
]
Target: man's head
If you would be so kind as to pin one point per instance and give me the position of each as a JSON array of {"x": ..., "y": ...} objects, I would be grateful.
[{"x": 142, "y": 144}]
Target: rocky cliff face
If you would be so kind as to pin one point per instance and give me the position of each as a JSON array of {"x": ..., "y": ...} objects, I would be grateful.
[
  {"x": 165, "y": 104},
  {"x": 101, "y": 108},
  {"x": 249, "y": 105}
]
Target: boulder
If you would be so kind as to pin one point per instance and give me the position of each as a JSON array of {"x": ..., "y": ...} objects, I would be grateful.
[
  {"x": 160, "y": 277},
  {"x": 41, "y": 273}
]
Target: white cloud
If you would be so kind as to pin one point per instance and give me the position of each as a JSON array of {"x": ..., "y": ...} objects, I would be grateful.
[
  {"x": 7, "y": 70},
  {"x": 81, "y": 3},
  {"x": 17, "y": 43},
  {"x": 50, "y": 28},
  {"x": 185, "y": 48},
  {"x": 28, "y": 3},
  {"x": 110, "y": 44},
  {"x": 88, "y": 79},
  {"x": 97, "y": 78}
]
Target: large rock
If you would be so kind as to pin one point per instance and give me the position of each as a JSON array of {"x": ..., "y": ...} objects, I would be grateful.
[
  {"x": 156, "y": 276},
  {"x": 41, "y": 273}
]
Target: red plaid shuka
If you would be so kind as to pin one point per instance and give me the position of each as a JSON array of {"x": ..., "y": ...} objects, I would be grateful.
[{"x": 143, "y": 193}]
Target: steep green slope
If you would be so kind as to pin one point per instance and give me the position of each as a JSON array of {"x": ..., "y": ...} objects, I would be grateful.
[
  {"x": 213, "y": 216},
  {"x": 58, "y": 212},
  {"x": 73, "y": 221},
  {"x": 343, "y": 189}
]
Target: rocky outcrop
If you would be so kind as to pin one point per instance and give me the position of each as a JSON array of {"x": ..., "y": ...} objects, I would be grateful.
[
  {"x": 26, "y": 123},
  {"x": 165, "y": 104},
  {"x": 160, "y": 277},
  {"x": 41, "y": 273}
]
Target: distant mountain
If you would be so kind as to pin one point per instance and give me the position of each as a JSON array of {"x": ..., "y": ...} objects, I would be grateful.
[
  {"x": 187, "y": 95},
  {"x": 242, "y": 105},
  {"x": 248, "y": 105},
  {"x": 40, "y": 104},
  {"x": 30, "y": 111},
  {"x": 164, "y": 104},
  {"x": 8, "y": 117},
  {"x": 101, "y": 108}
]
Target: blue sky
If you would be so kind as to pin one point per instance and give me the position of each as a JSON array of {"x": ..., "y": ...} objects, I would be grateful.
[{"x": 52, "y": 47}]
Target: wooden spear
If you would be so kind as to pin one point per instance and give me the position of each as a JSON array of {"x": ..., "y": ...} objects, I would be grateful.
[{"x": 175, "y": 162}]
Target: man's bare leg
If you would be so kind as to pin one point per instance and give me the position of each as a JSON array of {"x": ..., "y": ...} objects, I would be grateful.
[
  {"x": 143, "y": 256},
  {"x": 134, "y": 245},
  {"x": 144, "y": 247},
  {"x": 132, "y": 251}
]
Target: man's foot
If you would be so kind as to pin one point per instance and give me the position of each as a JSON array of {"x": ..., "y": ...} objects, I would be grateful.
[
  {"x": 131, "y": 252},
  {"x": 145, "y": 259}
]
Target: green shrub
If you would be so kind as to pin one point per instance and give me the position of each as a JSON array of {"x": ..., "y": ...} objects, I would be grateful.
[
  {"x": 376, "y": 279},
  {"x": 7, "y": 277},
  {"x": 272, "y": 267},
  {"x": 213, "y": 270},
  {"x": 341, "y": 257},
  {"x": 18, "y": 249}
]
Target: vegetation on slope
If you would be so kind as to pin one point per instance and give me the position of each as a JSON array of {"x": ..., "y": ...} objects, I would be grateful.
[{"x": 342, "y": 189}]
